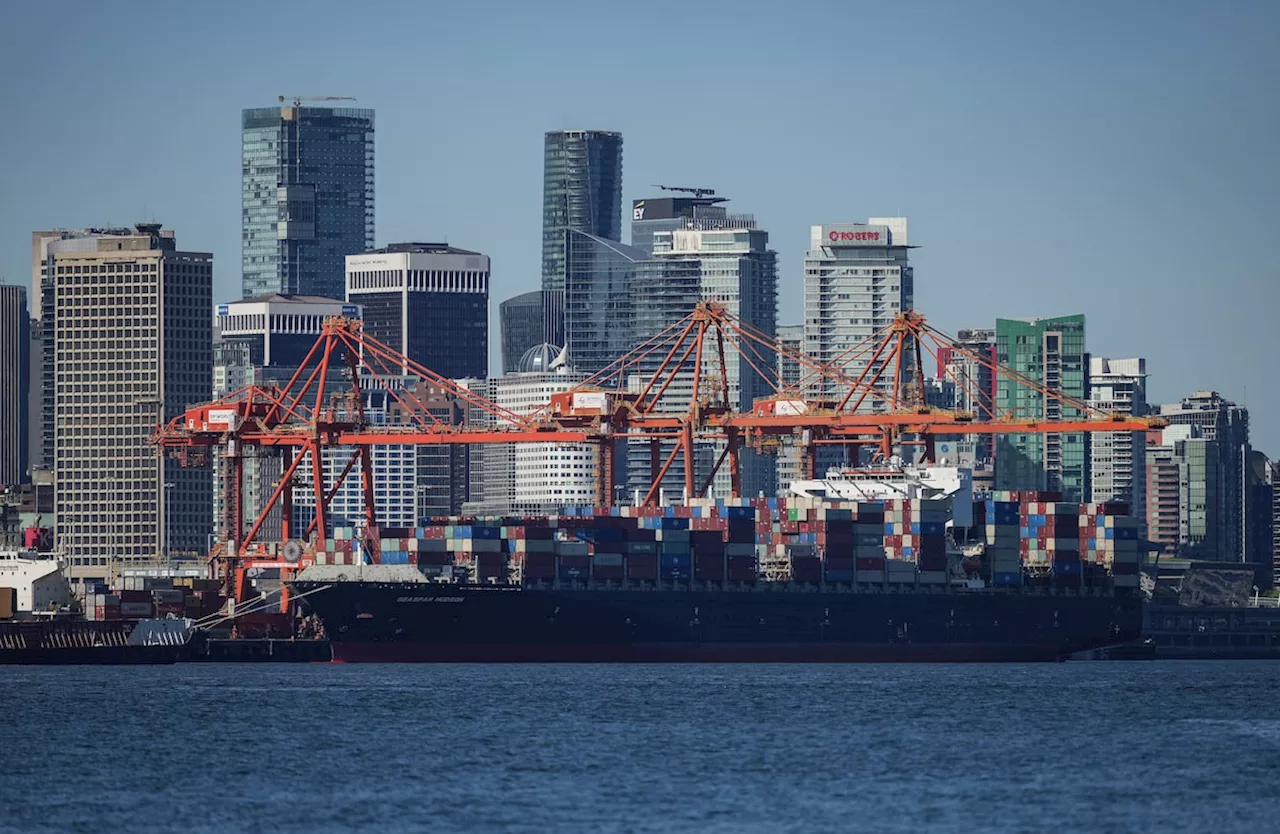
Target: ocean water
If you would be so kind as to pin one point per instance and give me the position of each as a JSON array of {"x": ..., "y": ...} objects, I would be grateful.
[{"x": 1096, "y": 747}]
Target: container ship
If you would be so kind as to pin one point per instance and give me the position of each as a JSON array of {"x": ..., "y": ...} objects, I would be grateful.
[
  {"x": 40, "y": 626},
  {"x": 799, "y": 578}
]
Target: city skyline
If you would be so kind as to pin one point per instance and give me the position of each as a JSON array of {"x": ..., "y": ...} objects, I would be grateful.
[{"x": 1087, "y": 220}]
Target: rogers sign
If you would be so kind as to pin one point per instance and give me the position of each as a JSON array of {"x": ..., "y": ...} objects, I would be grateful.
[{"x": 836, "y": 236}]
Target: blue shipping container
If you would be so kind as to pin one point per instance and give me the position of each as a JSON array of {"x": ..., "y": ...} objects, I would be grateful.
[
  {"x": 676, "y": 560},
  {"x": 1005, "y": 579}
]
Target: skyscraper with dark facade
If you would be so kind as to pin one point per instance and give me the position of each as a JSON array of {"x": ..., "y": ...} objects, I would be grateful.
[
  {"x": 15, "y": 384},
  {"x": 581, "y": 191},
  {"x": 307, "y": 197},
  {"x": 599, "y": 323},
  {"x": 523, "y": 322},
  {"x": 429, "y": 301}
]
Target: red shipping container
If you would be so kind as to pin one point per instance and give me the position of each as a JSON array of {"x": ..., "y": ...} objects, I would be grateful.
[{"x": 870, "y": 563}]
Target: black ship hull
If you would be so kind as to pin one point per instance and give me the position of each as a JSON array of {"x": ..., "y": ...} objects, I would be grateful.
[
  {"x": 78, "y": 643},
  {"x": 417, "y": 622}
]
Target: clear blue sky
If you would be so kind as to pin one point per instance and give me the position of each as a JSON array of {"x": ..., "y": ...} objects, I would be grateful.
[{"x": 1114, "y": 159}]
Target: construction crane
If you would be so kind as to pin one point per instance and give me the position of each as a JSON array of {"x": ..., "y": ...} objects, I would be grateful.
[
  {"x": 684, "y": 401},
  {"x": 696, "y": 192},
  {"x": 297, "y": 100}
]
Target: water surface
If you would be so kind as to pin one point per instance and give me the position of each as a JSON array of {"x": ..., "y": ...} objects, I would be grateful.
[{"x": 1098, "y": 747}]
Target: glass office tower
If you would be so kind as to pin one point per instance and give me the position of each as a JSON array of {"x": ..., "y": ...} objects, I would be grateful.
[
  {"x": 581, "y": 191},
  {"x": 306, "y": 197}
]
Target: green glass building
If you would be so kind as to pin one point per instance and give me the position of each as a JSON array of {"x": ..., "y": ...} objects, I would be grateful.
[{"x": 1051, "y": 352}]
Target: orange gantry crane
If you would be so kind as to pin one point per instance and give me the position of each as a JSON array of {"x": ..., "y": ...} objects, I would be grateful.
[{"x": 676, "y": 391}]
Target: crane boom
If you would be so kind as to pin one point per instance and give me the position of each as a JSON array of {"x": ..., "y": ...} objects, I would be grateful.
[
  {"x": 696, "y": 192},
  {"x": 297, "y": 100}
]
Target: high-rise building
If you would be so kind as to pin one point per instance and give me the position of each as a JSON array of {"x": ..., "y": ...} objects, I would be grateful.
[
  {"x": 395, "y": 476},
  {"x": 1225, "y": 425},
  {"x": 1163, "y": 491},
  {"x": 132, "y": 348},
  {"x": 969, "y": 365},
  {"x": 581, "y": 191},
  {"x": 1275, "y": 521},
  {"x": 278, "y": 331},
  {"x": 429, "y": 301},
  {"x": 1200, "y": 509},
  {"x": 1117, "y": 459},
  {"x": 263, "y": 341},
  {"x": 736, "y": 268},
  {"x": 599, "y": 322},
  {"x": 524, "y": 325},
  {"x": 42, "y": 305},
  {"x": 307, "y": 197},
  {"x": 791, "y": 339},
  {"x": 667, "y": 214},
  {"x": 529, "y": 477},
  {"x": 1258, "y": 526},
  {"x": 35, "y": 406},
  {"x": 857, "y": 279},
  {"x": 789, "y": 374},
  {"x": 15, "y": 385},
  {"x": 1051, "y": 353}
]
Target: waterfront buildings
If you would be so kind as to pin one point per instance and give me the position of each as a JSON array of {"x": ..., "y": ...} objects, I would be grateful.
[
  {"x": 1051, "y": 353},
  {"x": 789, "y": 371},
  {"x": 1218, "y": 449},
  {"x": 15, "y": 385},
  {"x": 132, "y": 341},
  {"x": 1163, "y": 494},
  {"x": 581, "y": 191},
  {"x": 262, "y": 341},
  {"x": 307, "y": 197},
  {"x": 1274, "y": 479},
  {"x": 529, "y": 477},
  {"x": 857, "y": 279},
  {"x": 1117, "y": 460},
  {"x": 429, "y": 301},
  {"x": 969, "y": 366},
  {"x": 733, "y": 266}
]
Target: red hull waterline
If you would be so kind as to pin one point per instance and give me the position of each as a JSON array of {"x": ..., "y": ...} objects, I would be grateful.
[{"x": 692, "y": 653}]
